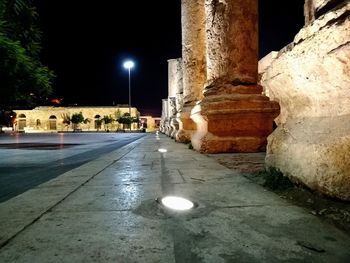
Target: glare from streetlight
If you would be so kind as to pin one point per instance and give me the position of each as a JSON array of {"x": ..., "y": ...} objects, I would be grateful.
[{"x": 128, "y": 64}]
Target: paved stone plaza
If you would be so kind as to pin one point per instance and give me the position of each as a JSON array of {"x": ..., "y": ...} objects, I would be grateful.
[{"x": 105, "y": 211}]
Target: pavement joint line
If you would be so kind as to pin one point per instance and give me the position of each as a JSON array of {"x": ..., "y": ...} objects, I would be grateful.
[
  {"x": 7, "y": 241},
  {"x": 182, "y": 175},
  {"x": 89, "y": 211},
  {"x": 258, "y": 205}
]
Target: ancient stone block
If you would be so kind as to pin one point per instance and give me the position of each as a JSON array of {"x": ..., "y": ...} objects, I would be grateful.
[
  {"x": 311, "y": 82},
  {"x": 314, "y": 151},
  {"x": 233, "y": 123}
]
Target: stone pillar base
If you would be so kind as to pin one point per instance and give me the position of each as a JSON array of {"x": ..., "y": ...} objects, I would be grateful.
[
  {"x": 233, "y": 119},
  {"x": 186, "y": 125},
  {"x": 165, "y": 126},
  {"x": 168, "y": 129},
  {"x": 175, "y": 127}
]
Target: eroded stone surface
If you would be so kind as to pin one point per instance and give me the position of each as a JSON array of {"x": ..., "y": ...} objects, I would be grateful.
[
  {"x": 314, "y": 151},
  {"x": 311, "y": 82},
  {"x": 164, "y": 118},
  {"x": 232, "y": 41},
  {"x": 194, "y": 63},
  {"x": 172, "y": 123},
  {"x": 186, "y": 125},
  {"x": 233, "y": 116},
  {"x": 193, "y": 49},
  {"x": 175, "y": 90},
  {"x": 233, "y": 123}
]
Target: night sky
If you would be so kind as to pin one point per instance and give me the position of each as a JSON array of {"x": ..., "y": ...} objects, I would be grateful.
[{"x": 86, "y": 42}]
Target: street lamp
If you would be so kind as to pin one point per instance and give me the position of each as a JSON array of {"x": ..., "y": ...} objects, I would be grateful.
[{"x": 128, "y": 65}]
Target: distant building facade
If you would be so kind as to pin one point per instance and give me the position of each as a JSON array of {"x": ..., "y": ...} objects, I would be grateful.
[{"x": 51, "y": 119}]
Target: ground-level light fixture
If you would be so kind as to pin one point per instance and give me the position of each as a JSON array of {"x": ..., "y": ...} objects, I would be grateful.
[
  {"x": 176, "y": 203},
  {"x": 162, "y": 150}
]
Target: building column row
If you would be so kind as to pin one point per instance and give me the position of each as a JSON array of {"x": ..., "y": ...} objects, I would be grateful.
[{"x": 223, "y": 109}]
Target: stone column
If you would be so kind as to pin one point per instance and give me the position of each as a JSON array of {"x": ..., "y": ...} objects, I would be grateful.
[
  {"x": 193, "y": 56},
  {"x": 175, "y": 88},
  {"x": 171, "y": 116},
  {"x": 233, "y": 116},
  {"x": 164, "y": 117}
]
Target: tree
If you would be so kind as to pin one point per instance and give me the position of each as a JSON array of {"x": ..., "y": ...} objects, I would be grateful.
[
  {"x": 126, "y": 120},
  {"x": 76, "y": 119},
  {"x": 24, "y": 81},
  {"x": 98, "y": 123},
  {"x": 86, "y": 121},
  {"x": 66, "y": 119},
  {"x": 107, "y": 120}
]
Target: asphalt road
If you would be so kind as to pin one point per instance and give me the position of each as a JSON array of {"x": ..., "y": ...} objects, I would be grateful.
[{"x": 27, "y": 160}]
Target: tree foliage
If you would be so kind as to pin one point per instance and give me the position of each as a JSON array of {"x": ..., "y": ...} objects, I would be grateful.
[
  {"x": 24, "y": 81},
  {"x": 66, "y": 119},
  {"x": 126, "y": 119},
  {"x": 107, "y": 119},
  {"x": 77, "y": 118}
]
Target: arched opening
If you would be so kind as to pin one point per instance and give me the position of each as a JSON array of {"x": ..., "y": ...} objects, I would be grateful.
[
  {"x": 22, "y": 122},
  {"x": 53, "y": 122},
  {"x": 97, "y": 122}
]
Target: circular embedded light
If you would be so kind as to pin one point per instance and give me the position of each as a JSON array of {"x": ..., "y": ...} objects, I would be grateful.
[
  {"x": 177, "y": 203},
  {"x": 162, "y": 150}
]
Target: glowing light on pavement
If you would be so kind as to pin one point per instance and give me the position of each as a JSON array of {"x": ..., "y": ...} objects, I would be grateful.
[{"x": 177, "y": 203}]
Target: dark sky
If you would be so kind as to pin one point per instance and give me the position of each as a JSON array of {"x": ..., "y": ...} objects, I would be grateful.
[{"x": 86, "y": 44}]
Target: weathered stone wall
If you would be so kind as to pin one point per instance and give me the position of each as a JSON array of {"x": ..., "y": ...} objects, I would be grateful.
[
  {"x": 314, "y": 9},
  {"x": 38, "y": 119},
  {"x": 311, "y": 79}
]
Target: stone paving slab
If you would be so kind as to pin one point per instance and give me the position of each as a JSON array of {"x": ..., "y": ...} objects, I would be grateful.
[
  {"x": 91, "y": 237},
  {"x": 28, "y": 207},
  {"x": 110, "y": 214}
]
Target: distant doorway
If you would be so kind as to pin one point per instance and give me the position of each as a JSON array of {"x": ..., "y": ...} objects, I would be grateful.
[
  {"x": 22, "y": 122},
  {"x": 53, "y": 122}
]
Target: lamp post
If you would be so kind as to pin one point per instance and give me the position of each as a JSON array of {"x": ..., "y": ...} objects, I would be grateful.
[{"x": 129, "y": 65}]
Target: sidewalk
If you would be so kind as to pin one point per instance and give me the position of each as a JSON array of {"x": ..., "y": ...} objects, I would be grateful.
[{"x": 105, "y": 211}]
